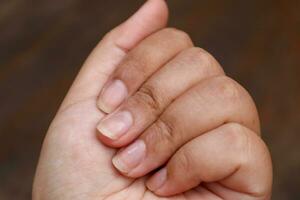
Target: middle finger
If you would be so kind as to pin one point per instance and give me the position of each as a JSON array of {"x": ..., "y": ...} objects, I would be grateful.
[{"x": 142, "y": 109}]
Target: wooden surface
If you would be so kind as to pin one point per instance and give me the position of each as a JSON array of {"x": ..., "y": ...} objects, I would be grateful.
[{"x": 43, "y": 44}]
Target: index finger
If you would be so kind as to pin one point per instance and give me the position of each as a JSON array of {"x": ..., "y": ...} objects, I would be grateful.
[{"x": 151, "y": 17}]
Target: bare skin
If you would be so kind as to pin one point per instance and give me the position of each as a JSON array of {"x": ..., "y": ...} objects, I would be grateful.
[{"x": 187, "y": 131}]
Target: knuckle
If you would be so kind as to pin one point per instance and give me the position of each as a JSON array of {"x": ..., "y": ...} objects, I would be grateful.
[
  {"x": 184, "y": 162},
  {"x": 235, "y": 134},
  {"x": 166, "y": 129},
  {"x": 161, "y": 135},
  {"x": 204, "y": 60},
  {"x": 148, "y": 96},
  {"x": 200, "y": 54},
  {"x": 179, "y": 35},
  {"x": 249, "y": 149},
  {"x": 227, "y": 89},
  {"x": 237, "y": 97},
  {"x": 234, "y": 130}
]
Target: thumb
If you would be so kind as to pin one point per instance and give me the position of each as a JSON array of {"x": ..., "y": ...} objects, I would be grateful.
[{"x": 151, "y": 17}]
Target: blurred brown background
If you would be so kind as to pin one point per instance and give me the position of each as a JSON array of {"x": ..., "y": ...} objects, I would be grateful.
[{"x": 44, "y": 42}]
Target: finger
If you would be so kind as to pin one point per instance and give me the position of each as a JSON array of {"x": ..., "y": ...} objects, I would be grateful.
[
  {"x": 232, "y": 155},
  {"x": 141, "y": 63},
  {"x": 151, "y": 17},
  {"x": 204, "y": 107},
  {"x": 185, "y": 70}
]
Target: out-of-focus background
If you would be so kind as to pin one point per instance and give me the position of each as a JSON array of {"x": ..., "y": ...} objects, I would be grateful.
[{"x": 44, "y": 42}]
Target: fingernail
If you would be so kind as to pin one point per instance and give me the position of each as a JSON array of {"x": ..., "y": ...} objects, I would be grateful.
[
  {"x": 157, "y": 180},
  {"x": 115, "y": 125},
  {"x": 112, "y": 96},
  {"x": 130, "y": 157}
]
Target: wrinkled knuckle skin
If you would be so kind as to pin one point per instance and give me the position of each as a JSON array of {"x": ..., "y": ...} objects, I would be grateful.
[
  {"x": 160, "y": 138},
  {"x": 179, "y": 35},
  {"x": 148, "y": 96},
  {"x": 181, "y": 168},
  {"x": 166, "y": 129},
  {"x": 184, "y": 162}
]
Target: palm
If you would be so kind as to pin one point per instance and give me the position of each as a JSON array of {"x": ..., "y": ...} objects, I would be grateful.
[{"x": 82, "y": 165}]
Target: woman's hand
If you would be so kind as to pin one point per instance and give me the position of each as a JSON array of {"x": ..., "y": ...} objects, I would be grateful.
[{"x": 170, "y": 106}]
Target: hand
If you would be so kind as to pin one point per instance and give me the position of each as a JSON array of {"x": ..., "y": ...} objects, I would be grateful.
[
  {"x": 179, "y": 112},
  {"x": 74, "y": 165}
]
